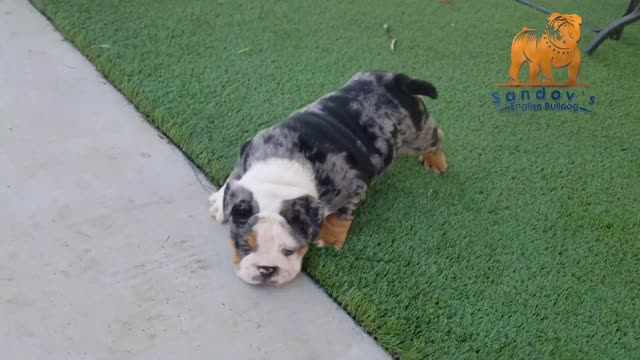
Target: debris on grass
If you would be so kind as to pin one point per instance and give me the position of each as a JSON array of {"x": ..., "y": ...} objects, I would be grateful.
[
  {"x": 387, "y": 31},
  {"x": 243, "y": 50},
  {"x": 393, "y": 45}
]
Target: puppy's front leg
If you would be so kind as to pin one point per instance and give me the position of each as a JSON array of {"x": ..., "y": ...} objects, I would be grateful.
[
  {"x": 336, "y": 225},
  {"x": 435, "y": 160},
  {"x": 334, "y": 232},
  {"x": 217, "y": 198},
  {"x": 217, "y": 204}
]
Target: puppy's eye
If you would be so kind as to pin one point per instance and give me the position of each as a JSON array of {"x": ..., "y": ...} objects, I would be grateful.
[{"x": 288, "y": 252}]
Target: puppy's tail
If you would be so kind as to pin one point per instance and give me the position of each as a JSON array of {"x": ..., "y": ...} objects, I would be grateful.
[
  {"x": 407, "y": 85},
  {"x": 419, "y": 87},
  {"x": 401, "y": 83}
]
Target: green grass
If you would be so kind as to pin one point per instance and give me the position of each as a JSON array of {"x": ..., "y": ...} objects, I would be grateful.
[{"x": 528, "y": 247}]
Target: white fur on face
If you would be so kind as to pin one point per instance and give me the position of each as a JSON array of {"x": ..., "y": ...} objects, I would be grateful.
[
  {"x": 274, "y": 180},
  {"x": 271, "y": 182},
  {"x": 272, "y": 238}
]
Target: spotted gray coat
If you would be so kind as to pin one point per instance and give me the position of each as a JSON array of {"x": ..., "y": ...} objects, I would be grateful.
[{"x": 348, "y": 137}]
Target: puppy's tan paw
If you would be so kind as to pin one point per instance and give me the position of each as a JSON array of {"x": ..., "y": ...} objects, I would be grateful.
[
  {"x": 319, "y": 243},
  {"x": 437, "y": 162},
  {"x": 338, "y": 245},
  {"x": 333, "y": 232}
]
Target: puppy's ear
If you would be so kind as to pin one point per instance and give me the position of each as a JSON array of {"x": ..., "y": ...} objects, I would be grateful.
[
  {"x": 304, "y": 215},
  {"x": 239, "y": 205},
  {"x": 244, "y": 148}
]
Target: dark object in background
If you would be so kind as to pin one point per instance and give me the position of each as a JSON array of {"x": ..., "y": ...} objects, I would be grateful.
[{"x": 612, "y": 31}]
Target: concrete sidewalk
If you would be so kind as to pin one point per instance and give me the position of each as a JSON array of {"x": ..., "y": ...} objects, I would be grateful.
[{"x": 106, "y": 247}]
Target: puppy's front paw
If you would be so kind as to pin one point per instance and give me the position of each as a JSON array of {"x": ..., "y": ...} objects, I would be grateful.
[
  {"x": 333, "y": 232},
  {"x": 329, "y": 243},
  {"x": 213, "y": 198},
  {"x": 216, "y": 200},
  {"x": 434, "y": 161},
  {"x": 319, "y": 243}
]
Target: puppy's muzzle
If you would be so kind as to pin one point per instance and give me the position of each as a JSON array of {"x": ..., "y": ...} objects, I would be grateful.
[{"x": 267, "y": 272}]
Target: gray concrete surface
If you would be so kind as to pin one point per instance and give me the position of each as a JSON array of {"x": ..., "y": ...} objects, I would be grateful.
[{"x": 106, "y": 247}]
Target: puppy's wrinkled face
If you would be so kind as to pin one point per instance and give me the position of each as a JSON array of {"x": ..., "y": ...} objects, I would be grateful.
[
  {"x": 269, "y": 245},
  {"x": 268, "y": 253}
]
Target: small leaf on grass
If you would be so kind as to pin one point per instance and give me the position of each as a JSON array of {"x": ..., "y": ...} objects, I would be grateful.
[
  {"x": 393, "y": 45},
  {"x": 243, "y": 50}
]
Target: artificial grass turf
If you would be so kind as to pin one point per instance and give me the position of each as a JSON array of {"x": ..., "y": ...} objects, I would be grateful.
[{"x": 526, "y": 248}]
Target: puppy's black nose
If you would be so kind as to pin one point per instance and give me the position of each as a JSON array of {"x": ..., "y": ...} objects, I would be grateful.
[{"x": 267, "y": 271}]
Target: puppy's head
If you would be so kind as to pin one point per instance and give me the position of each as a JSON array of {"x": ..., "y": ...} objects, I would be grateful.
[{"x": 269, "y": 243}]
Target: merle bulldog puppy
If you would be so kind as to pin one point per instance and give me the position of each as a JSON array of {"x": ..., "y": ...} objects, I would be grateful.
[{"x": 300, "y": 181}]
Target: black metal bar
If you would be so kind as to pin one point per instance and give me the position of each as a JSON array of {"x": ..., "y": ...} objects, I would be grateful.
[
  {"x": 632, "y": 5},
  {"x": 547, "y": 11},
  {"x": 615, "y": 26}
]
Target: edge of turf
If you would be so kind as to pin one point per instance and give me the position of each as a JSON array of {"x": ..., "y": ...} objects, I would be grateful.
[
  {"x": 162, "y": 124},
  {"x": 105, "y": 67},
  {"x": 358, "y": 301}
]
